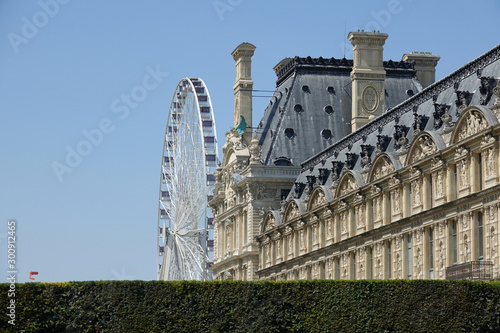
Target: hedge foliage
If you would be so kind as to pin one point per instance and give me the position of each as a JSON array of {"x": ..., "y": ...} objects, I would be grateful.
[{"x": 292, "y": 306}]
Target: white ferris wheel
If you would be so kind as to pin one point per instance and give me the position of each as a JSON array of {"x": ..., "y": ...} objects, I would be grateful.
[{"x": 185, "y": 225}]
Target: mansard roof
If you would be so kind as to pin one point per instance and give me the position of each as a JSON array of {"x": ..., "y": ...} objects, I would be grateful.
[
  {"x": 470, "y": 86},
  {"x": 311, "y": 106}
]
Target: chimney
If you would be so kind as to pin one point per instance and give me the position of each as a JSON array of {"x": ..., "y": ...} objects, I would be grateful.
[
  {"x": 425, "y": 66},
  {"x": 243, "y": 88},
  {"x": 368, "y": 76}
]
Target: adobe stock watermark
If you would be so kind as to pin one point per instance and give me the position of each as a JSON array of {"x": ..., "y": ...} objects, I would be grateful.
[
  {"x": 30, "y": 27},
  {"x": 11, "y": 271},
  {"x": 381, "y": 19},
  {"x": 121, "y": 107},
  {"x": 223, "y": 6}
]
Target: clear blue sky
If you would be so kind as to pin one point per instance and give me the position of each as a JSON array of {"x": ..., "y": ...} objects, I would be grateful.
[{"x": 62, "y": 68}]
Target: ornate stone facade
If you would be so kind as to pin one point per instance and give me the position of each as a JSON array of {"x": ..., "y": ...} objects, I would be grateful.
[{"x": 425, "y": 200}]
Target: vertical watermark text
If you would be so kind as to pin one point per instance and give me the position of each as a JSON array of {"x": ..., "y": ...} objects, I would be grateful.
[{"x": 11, "y": 271}]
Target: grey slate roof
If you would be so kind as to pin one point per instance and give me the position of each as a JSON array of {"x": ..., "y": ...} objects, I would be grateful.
[
  {"x": 443, "y": 92},
  {"x": 311, "y": 106}
]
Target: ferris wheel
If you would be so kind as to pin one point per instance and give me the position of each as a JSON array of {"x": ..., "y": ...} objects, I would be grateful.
[{"x": 185, "y": 225}]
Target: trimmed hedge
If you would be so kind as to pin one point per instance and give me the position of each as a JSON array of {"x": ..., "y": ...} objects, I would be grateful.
[{"x": 292, "y": 306}]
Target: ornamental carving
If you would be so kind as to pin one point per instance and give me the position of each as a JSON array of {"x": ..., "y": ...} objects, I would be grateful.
[
  {"x": 473, "y": 122},
  {"x": 377, "y": 208},
  {"x": 343, "y": 221},
  {"x": 259, "y": 191},
  {"x": 461, "y": 151},
  {"x": 424, "y": 147},
  {"x": 315, "y": 238},
  {"x": 255, "y": 151},
  {"x": 348, "y": 184},
  {"x": 269, "y": 223},
  {"x": 491, "y": 212},
  {"x": 439, "y": 184},
  {"x": 416, "y": 192},
  {"x": 234, "y": 140},
  {"x": 490, "y": 159},
  {"x": 375, "y": 190},
  {"x": 396, "y": 200},
  {"x": 382, "y": 168},
  {"x": 302, "y": 237},
  {"x": 318, "y": 200},
  {"x": 439, "y": 111},
  {"x": 359, "y": 213},
  {"x": 441, "y": 227},
  {"x": 463, "y": 174},
  {"x": 407, "y": 105},
  {"x": 329, "y": 233},
  {"x": 419, "y": 265},
  {"x": 493, "y": 242},
  {"x": 393, "y": 181},
  {"x": 466, "y": 249},
  {"x": 293, "y": 212},
  {"x": 398, "y": 266},
  {"x": 441, "y": 259},
  {"x": 487, "y": 139},
  {"x": 370, "y": 99},
  {"x": 486, "y": 89},
  {"x": 463, "y": 100}
]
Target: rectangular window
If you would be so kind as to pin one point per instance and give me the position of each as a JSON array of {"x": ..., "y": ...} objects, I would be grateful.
[
  {"x": 455, "y": 181},
  {"x": 370, "y": 253},
  {"x": 338, "y": 268},
  {"x": 409, "y": 257},
  {"x": 431, "y": 190},
  {"x": 454, "y": 241},
  {"x": 411, "y": 200},
  {"x": 480, "y": 171},
  {"x": 373, "y": 214},
  {"x": 480, "y": 235},
  {"x": 354, "y": 266},
  {"x": 245, "y": 228},
  {"x": 431, "y": 254},
  {"x": 389, "y": 208},
  {"x": 389, "y": 260}
]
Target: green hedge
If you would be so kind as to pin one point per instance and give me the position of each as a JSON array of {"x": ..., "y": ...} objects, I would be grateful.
[{"x": 293, "y": 306}]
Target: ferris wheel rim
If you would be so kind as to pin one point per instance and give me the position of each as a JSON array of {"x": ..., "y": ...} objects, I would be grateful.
[{"x": 188, "y": 83}]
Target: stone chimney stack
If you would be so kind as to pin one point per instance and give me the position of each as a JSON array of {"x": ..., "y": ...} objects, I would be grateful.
[
  {"x": 425, "y": 66},
  {"x": 368, "y": 76},
  {"x": 243, "y": 88}
]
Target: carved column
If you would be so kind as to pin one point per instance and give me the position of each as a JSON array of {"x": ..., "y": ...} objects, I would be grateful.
[{"x": 490, "y": 161}]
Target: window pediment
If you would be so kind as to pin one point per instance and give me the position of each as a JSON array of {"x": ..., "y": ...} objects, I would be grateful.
[
  {"x": 423, "y": 145},
  {"x": 347, "y": 184},
  {"x": 471, "y": 122},
  {"x": 383, "y": 166}
]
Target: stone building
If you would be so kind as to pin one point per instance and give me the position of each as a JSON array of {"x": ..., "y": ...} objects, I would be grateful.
[{"x": 362, "y": 169}]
